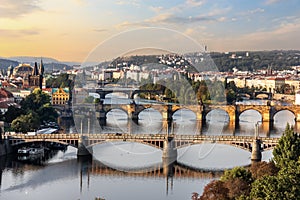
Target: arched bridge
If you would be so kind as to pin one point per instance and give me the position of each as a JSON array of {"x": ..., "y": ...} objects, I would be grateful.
[
  {"x": 155, "y": 140},
  {"x": 129, "y": 91},
  {"x": 267, "y": 112}
]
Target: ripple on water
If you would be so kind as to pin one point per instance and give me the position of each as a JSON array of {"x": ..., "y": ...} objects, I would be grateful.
[{"x": 213, "y": 156}]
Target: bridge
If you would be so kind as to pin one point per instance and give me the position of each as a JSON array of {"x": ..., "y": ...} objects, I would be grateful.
[
  {"x": 129, "y": 91},
  {"x": 167, "y": 111},
  {"x": 167, "y": 143}
]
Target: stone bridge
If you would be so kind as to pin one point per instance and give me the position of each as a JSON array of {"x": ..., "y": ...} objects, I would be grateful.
[
  {"x": 167, "y": 111},
  {"x": 130, "y": 92}
]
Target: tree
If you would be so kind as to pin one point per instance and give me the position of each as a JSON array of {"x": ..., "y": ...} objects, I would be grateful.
[
  {"x": 261, "y": 169},
  {"x": 12, "y": 113},
  {"x": 39, "y": 102},
  {"x": 47, "y": 113},
  {"x": 215, "y": 190},
  {"x": 25, "y": 123},
  {"x": 35, "y": 100},
  {"x": 287, "y": 151},
  {"x": 237, "y": 172},
  {"x": 267, "y": 188},
  {"x": 89, "y": 99},
  {"x": 237, "y": 187}
]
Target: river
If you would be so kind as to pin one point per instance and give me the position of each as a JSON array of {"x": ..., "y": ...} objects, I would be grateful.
[{"x": 121, "y": 170}]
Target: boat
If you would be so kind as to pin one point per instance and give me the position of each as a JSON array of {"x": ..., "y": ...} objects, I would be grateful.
[
  {"x": 36, "y": 151},
  {"x": 30, "y": 151}
]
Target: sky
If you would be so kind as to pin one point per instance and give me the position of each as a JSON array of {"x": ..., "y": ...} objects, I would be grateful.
[{"x": 70, "y": 30}]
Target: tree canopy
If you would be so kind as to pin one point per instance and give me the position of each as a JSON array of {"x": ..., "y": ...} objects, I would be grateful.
[
  {"x": 35, "y": 110},
  {"x": 278, "y": 179}
]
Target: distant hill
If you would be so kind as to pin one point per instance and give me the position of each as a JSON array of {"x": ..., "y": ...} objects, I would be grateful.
[
  {"x": 5, "y": 63},
  {"x": 30, "y": 59},
  {"x": 56, "y": 67},
  {"x": 50, "y": 64}
]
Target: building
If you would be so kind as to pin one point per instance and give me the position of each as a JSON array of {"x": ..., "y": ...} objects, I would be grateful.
[
  {"x": 6, "y": 100},
  {"x": 60, "y": 96},
  {"x": 22, "y": 70},
  {"x": 36, "y": 78},
  {"x": 32, "y": 77}
]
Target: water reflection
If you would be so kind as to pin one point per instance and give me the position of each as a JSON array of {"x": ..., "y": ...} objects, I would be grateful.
[{"x": 72, "y": 178}]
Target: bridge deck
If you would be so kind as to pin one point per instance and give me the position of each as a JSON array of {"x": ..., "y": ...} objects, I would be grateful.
[{"x": 156, "y": 140}]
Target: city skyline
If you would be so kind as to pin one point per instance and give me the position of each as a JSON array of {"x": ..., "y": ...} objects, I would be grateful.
[{"x": 70, "y": 30}]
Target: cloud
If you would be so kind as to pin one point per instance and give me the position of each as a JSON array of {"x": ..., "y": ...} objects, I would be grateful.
[
  {"x": 18, "y": 32},
  {"x": 257, "y": 10},
  {"x": 195, "y": 3},
  {"x": 15, "y": 9},
  {"x": 128, "y": 2},
  {"x": 172, "y": 19},
  {"x": 269, "y": 2},
  {"x": 100, "y": 30},
  {"x": 156, "y": 9}
]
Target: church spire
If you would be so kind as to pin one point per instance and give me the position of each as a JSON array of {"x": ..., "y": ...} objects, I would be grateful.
[
  {"x": 35, "y": 70},
  {"x": 41, "y": 68}
]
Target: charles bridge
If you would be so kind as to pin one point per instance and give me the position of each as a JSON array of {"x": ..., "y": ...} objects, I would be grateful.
[{"x": 167, "y": 111}]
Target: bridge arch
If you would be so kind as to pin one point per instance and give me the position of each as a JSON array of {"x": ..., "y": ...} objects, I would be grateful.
[
  {"x": 142, "y": 108},
  {"x": 220, "y": 110},
  {"x": 116, "y": 108},
  {"x": 185, "y": 109},
  {"x": 276, "y": 112},
  {"x": 117, "y": 95},
  {"x": 240, "y": 145},
  {"x": 246, "y": 108},
  {"x": 150, "y": 109},
  {"x": 155, "y": 144},
  {"x": 67, "y": 143},
  {"x": 249, "y": 110}
]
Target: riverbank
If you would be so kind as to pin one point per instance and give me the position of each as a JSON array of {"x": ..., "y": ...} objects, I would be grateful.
[{"x": 5, "y": 148}]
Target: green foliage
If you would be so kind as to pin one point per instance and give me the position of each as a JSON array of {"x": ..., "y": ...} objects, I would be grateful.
[
  {"x": 35, "y": 109},
  {"x": 265, "y": 181},
  {"x": 63, "y": 80},
  {"x": 267, "y": 188},
  {"x": 237, "y": 172},
  {"x": 25, "y": 123},
  {"x": 35, "y": 100},
  {"x": 287, "y": 152},
  {"x": 89, "y": 99},
  {"x": 12, "y": 113}
]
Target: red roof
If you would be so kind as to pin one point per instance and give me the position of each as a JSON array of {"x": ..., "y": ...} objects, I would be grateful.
[{"x": 5, "y": 94}]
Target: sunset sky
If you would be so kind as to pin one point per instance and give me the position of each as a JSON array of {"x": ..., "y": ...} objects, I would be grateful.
[{"x": 69, "y": 30}]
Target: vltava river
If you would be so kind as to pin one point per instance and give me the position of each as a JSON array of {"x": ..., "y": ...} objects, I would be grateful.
[{"x": 131, "y": 170}]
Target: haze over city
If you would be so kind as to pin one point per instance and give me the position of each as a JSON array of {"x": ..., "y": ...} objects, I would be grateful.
[{"x": 69, "y": 30}]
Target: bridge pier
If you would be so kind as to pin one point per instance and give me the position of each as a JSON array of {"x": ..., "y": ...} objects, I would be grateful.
[
  {"x": 169, "y": 151},
  {"x": 82, "y": 144},
  {"x": 256, "y": 151},
  {"x": 199, "y": 127},
  {"x": 101, "y": 116},
  {"x": 267, "y": 126}
]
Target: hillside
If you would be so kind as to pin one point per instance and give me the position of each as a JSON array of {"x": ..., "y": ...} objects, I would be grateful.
[{"x": 5, "y": 63}]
